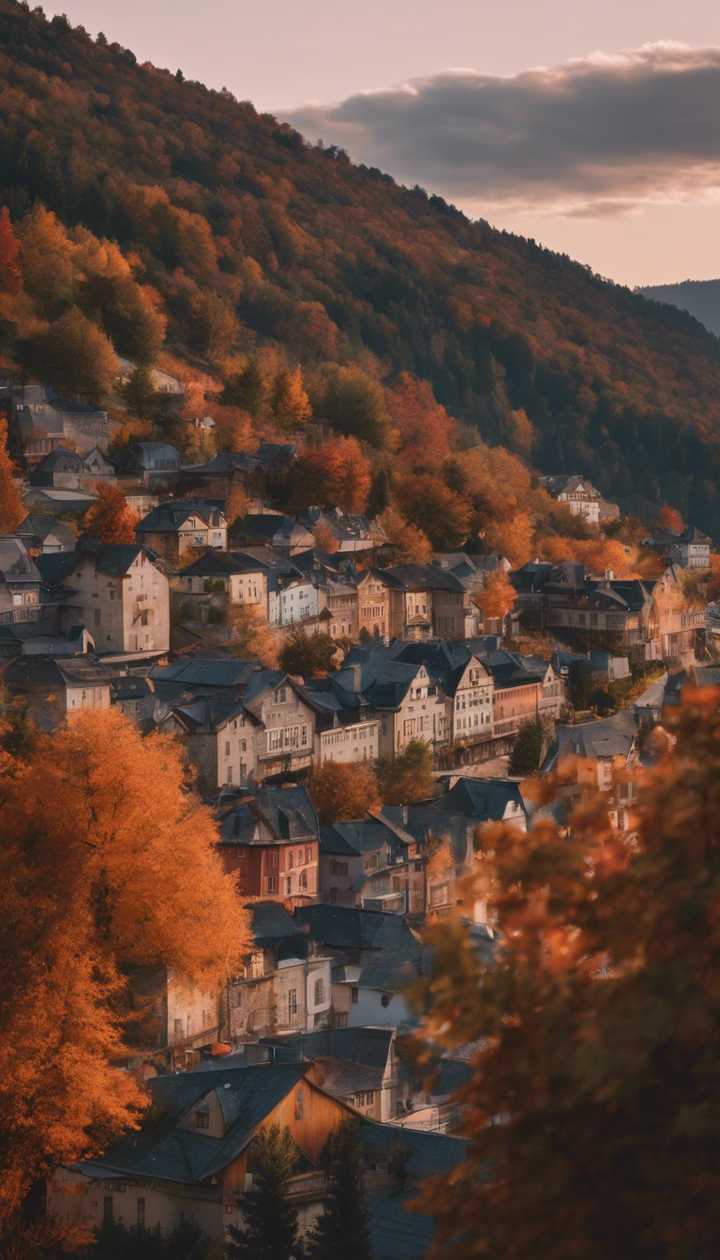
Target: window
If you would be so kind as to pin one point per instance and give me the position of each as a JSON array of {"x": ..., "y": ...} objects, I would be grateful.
[
  {"x": 178, "y": 1026},
  {"x": 385, "y": 999},
  {"x": 107, "y": 1209},
  {"x": 299, "y": 1103},
  {"x": 291, "y": 858},
  {"x": 319, "y": 992},
  {"x": 281, "y": 695},
  {"x": 288, "y": 885},
  {"x": 141, "y": 1213},
  {"x": 354, "y": 994},
  {"x": 308, "y": 855},
  {"x": 202, "y": 1119},
  {"x": 227, "y": 747},
  {"x": 292, "y": 1003},
  {"x": 303, "y": 879}
]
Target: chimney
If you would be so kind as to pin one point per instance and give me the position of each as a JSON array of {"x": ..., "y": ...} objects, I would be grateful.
[{"x": 356, "y": 671}]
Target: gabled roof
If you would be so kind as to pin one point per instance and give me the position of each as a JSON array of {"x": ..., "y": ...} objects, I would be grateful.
[
  {"x": 156, "y": 455},
  {"x": 15, "y": 563},
  {"x": 348, "y": 928},
  {"x": 271, "y": 923},
  {"x": 170, "y": 516},
  {"x": 367, "y": 1046},
  {"x": 355, "y": 838},
  {"x": 286, "y": 812},
  {"x": 31, "y": 672},
  {"x": 164, "y": 1151},
  {"x": 222, "y": 564},
  {"x": 608, "y": 737}
]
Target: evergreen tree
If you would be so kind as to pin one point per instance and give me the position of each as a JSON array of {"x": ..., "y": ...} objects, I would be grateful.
[
  {"x": 527, "y": 749},
  {"x": 343, "y": 1229},
  {"x": 270, "y": 1220}
]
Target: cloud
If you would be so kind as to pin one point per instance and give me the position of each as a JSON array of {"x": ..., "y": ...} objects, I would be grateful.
[{"x": 598, "y": 136}]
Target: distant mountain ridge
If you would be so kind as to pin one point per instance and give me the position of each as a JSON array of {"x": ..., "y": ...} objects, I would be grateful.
[
  {"x": 335, "y": 263},
  {"x": 700, "y": 298}
]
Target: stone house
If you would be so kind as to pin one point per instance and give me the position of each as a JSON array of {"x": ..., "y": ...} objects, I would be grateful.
[
  {"x": 20, "y": 582},
  {"x": 689, "y": 549},
  {"x": 117, "y": 590},
  {"x": 219, "y": 578},
  {"x": 57, "y": 688},
  {"x": 176, "y": 527},
  {"x": 218, "y": 733},
  {"x": 282, "y": 988},
  {"x": 461, "y": 677},
  {"x": 270, "y": 841},
  {"x": 373, "y": 604},
  {"x": 339, "y": 601},
  {"x": 577, "y": 493},
  {"x": 371, "y": 864}
]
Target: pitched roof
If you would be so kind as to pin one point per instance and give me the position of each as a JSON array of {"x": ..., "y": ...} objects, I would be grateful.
[
  {"x": 367, "y": 1046},
  {"x": 345, "y": 927},
  {"x": 607, "y": 737},
  {"x": 221, "y": 564},
  {"x": 286, "y": 812},
  {"x": 164, "y": 1151},
  {"x": 15, "y": 563},
  {"x": 170, "y": 516}
]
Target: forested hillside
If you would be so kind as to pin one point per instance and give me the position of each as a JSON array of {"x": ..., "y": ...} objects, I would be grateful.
[
  {"x": 700, "y": 297},
  {"x": 238, "y": 241}
]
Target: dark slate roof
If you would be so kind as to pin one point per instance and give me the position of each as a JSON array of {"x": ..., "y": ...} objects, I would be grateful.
[
  {"x": 287, "y": 813},
  {"x": 170, "y": 516},
  {"x": 163, "y": 1151},
  {"x": 15, "y": 563},
  {"x": 354, "y": 838},
  {"x": 422, "y": 577},
  {"x": 367, "y": 1046},
  {"x": 207, "y": 713},
  {"x": 203, "y": 673},
  {"x": 38, "y": 525},
  {"x": 469, "y": 803},
  {"x": 59, "y": 460},
  {"x": 30, "y": 672},
  {"x": 221, "y": 564},
  {"x": 430, "y": 1154},
  {"x": 271, "y": 922},
  {"x": 345, "y": 927},
  {"x": 155, "y": 456},
  {"x": 608, "y": 737}
]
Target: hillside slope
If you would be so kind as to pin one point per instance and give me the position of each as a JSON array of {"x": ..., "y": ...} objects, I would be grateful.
[
  {"x": 701, "y": 298},
  {"x": 335, "y": 262}
]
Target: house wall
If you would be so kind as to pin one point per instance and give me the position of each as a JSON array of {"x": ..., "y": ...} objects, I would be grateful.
[
  {"x": 224, "y": 757},
  {"x": 422, "y": 715},
  {"x": 472, "y": 705},
  {"x": 349, "y": 744},
  {"x": 285, "y": 738},
  {"x": 374, "y": 606},
  {"x": 124, "y": 614},
  {"x": 370, "y": 1009},
  {"x": 78, "y": 1200}
]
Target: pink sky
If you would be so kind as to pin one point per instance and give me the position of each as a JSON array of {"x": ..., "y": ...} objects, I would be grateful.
[{"x": 288, "y": 56}]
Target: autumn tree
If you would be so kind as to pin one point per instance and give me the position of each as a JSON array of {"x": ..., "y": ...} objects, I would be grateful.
[
  {"x": 527, "y": 749},
  {"x": 411, "y": 544},
  {"x": 343, "y": 1227},
  {"x": 270, "y": 1221},
  {"x": 592, "y": 1111},
  {"x": 342, "y": 791},
  {"x": 670, "y": 519},
  {"x": 325, "y": 538},
  {"x": 236, "y": 504},
  {"x": 439, "y": 512},
  {"x": 511, "y": 538},
  {"x": 423, "y": 427},
  {"x": 354, "y": 404},
  {"x": 307, "y": 655},
  {"x": 336, "y": 474},
  {"x": 497, "y": 598},
  {"x": 214, "y": 325},
  {"x": 73, "y": 356},
  {"x": 250, "y": 635},
  {"x": 407, "y": 776},
  {"x": 10, "y": 256},
  {"x": 108, "y": 863},
  {"x": 139, "y": 392},
  {"x": 110, "y": 518},
  {"x": 12, "y": 511},
  {"x": 291, "y": 405}
]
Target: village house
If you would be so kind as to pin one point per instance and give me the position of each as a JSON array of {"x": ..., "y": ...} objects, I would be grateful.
[
  {"x": 218, "y": 733},
  {"x": 402, "y": 695},
  {"x": 599, "y": 753},
  {"x": 460, "y": 676},
  {"x": 117, "y": 590},
  {"x": 56, "y": 688},
  {"x": 525, "y": 688},
  {"x": 194, "y": 1160},
  {"x": 345, "y": 729},
  {"x": 20, "y": 582},
  {"x": 373, "y": 604},
  {"x": 351, "y": 533},
  {"x": 176, "y": 527},
  {"x": 219, "y": 578},
  {"x": 156, "y": 465},
  {"x": 270, "y": 841},
  {"x": 271, "y": 529},
  {"x": 375, "y": 956},
  {"x": 283, "y": 988},
  {"x": 647, "y": 620},
  {"x": 43, "y": 422},
  {"x": 67, "y": 470},
  {"x": 338, "y": 601},
  {"x": 44, "y": 534},
  {"x": 373, "y": 864},
  {"x": 577, "y": 494},
  {"x": 689, "y": 549},
  {"x": 359, "y": 1066}
]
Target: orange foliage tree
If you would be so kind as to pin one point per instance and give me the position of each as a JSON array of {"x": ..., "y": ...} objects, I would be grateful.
[
  {"x": 10, "y": 253},
  {"x": 592, "y": 1110},
  {"x": 512, "y": 538},
  {"x": 110, "y": 518},
  {"x": 407, "y": 776},
  {"x": 670, "y": 519},
  {"x": 11, "y": 504},
  {"x": 107, "y": 863},
  {"x": 423, "y": 427},
  {"x": 439, "y": 512},
  {"x": 342, "y": 792},
  {"x": 325, "y": 539},
  {"x": 412, "y": 545},
  {"x": 336, "y": 474},
  {"x": 497, "y": 597}
]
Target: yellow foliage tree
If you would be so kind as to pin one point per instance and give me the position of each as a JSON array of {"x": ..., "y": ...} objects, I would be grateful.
[
  {"x": 291, "y": 404},
  {"x": 413, "y": 546},
  {"x": 11, "y": 504}
]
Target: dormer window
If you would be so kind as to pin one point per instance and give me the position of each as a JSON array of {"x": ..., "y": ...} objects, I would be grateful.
[{"x": 201, "y": 1117}]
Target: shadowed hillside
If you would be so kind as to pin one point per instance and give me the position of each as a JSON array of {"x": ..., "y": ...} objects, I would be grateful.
[
  {"x": 250, "y": 238},
  {"x": 700, "y": 298}
]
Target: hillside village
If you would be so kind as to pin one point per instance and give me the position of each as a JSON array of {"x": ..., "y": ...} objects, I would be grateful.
[{"x": 277, "y": 649}]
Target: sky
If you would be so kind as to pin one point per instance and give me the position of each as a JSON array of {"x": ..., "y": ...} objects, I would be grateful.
[{"x": 593, "y": 127}]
